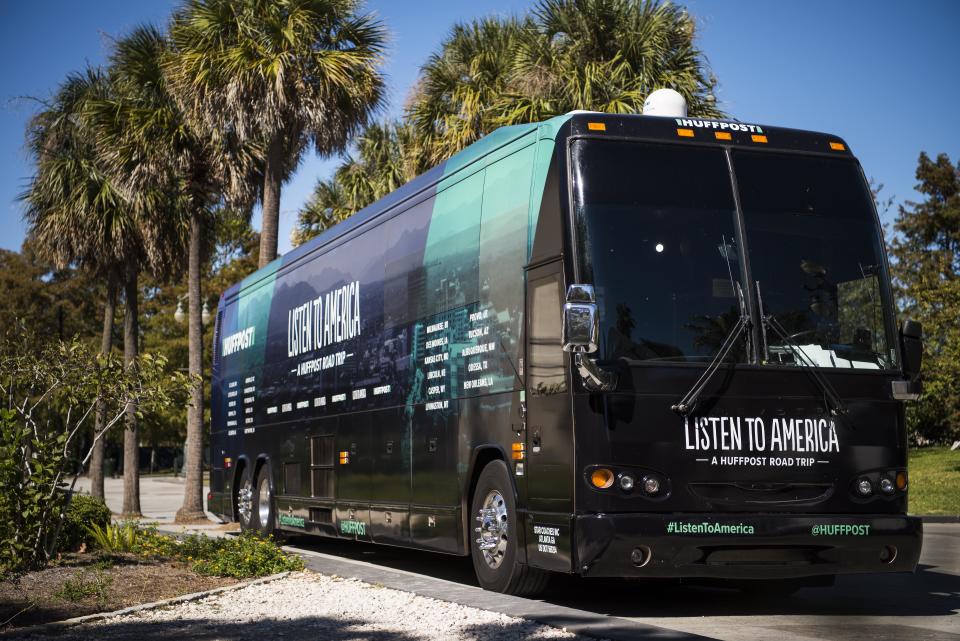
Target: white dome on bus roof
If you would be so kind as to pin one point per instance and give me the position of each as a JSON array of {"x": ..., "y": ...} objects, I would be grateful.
[{"x": 665, "y": 102}]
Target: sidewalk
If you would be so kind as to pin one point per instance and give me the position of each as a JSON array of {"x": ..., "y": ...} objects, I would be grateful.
[{"x": 160, "y": 498}]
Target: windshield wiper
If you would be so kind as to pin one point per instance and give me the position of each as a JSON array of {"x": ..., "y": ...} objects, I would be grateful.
[
  {"x": 688, "y": 403},
  {"x": 831, "y": 398}
]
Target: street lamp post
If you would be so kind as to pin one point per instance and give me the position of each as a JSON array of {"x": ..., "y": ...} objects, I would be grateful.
[{"x": 180, "y": 317}]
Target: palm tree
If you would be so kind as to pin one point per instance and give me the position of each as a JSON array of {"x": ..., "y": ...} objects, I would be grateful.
[
  {"x": 604, "y": 55},
  {"x": 386, "y": 155},
  {"x": 151, "y": 150},
  {"x": 452, "y": 103},
  {"x": 278, "y": 74},
  {"x": 77, "y": 215}
]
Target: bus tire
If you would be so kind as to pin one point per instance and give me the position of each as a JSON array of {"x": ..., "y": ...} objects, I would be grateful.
[
  {"x": 244, "y": 500},
  {"x": 494, "y": 536},
  {"x": 265, "y": 513}
]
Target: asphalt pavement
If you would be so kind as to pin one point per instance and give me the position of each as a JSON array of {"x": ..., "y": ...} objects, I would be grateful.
[{"x": 923, "y": 606}]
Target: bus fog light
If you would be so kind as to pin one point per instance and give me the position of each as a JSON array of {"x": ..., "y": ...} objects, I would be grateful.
[
  {"x": 626, "y": 482},
  {"x": 651, "y": 484},
  {"x": 886, "y": 486},
  {"x": 601, "y": 478},
  {"x": 864, "y": 487}
]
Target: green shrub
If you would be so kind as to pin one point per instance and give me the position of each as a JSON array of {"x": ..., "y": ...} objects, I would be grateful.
[
  {"x": 245, "y": 556},
  {"x": 83, "y": 512},
  {"x": 80, "y": 587},
  {"x": 241, "y": 557},
  {"x": 115, "y": 538}
]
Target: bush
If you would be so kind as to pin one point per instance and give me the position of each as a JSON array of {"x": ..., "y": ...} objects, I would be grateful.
[
  {"x": 82, "y": 513},
  {"x": 246, "y": 556},
  {"x": 115, "y": 538},
  {"x": 241, "y": 557}
]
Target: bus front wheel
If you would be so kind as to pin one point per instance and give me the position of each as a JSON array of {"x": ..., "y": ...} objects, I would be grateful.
[{"x": 494, "y": 536}]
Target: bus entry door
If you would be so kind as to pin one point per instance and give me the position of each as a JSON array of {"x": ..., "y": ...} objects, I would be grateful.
[{"x": 549, "y": 434}]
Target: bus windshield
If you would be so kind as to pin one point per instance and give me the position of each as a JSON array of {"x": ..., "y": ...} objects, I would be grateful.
[
  {"x": 816, "y": 251},
  {"x": 658, "y": 236}
]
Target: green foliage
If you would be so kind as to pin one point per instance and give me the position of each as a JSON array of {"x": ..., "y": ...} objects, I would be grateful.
[
  {"x": 926, "y": 271},
  {"x": 598, "y": 55},
  {"x": 241, "y": 557},
  {"x": 64, "y": 381},
  {"x": 81, "y": 586},
  {"x": 114, "y": 538},
  {"x": 83, "y": 512},
  {"x": 244, "y": 556},
  {"x": 934, "y": 479}
]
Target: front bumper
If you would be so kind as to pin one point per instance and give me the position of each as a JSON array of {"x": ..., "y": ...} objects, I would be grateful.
[{"x": 745, "y": 546}]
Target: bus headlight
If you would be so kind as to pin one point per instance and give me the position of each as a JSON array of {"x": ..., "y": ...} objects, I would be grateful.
[
  {"x": 651, "y": 484},
  {"x": 864, "y": 487},
  {"x": 886, "y": 486},
  {"x": 626, "y": 482}
]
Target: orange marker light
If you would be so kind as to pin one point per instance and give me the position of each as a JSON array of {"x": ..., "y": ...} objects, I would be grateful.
[
  {"x": 344, "y": 458},
  {"x": 685, "y": 133},
  {"x": 758, "y": 138},
  {"x": 227, "y": 461},
  {"x": 518, "y": 452},
  {"x": 597, "y": 126},
  {"x": 723, "y": 135},
  {"x": 901, "y": 481},
  {"x": 837, "y": 146},
  {"x": 601, "y": 478}
]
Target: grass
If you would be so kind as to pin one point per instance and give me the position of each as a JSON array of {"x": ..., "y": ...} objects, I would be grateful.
[{"x": 934, "y": 481}]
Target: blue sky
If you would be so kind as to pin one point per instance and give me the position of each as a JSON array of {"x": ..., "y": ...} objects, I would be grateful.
[{"x": 883, "y": 75}]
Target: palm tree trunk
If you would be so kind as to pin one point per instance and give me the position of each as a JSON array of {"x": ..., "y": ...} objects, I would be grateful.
[
  {"x": 270, "y": 210},
  {"x": 106, "y": 344},
  {"x": 192, "y": 508},
  {"x": 131, "y": 435}
]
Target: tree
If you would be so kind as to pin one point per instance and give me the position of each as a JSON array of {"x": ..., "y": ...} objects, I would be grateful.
[
  {"x": 280, "y": 75},
  {"x": 76, "y": 214},
  {"x": 598, "y": 55},
  {"x": 49, "y": 394},
  {"x": 387, "y": 156},
  {"x": 462, "y": 86},
  {"x": 152, "y": 150},
  {"x": 926, "y": 271}
]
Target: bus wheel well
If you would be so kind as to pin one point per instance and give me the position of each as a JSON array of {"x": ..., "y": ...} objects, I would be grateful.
[
  {"x": 235, "y": 486},
  {"x": 484, "y": 455}
]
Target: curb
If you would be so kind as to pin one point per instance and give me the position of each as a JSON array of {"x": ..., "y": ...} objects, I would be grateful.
[
  {"x": 939, "y": 518},
  {"x": 56, "y": 626}
]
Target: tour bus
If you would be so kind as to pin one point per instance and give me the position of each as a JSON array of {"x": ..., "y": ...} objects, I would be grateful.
[{"x": 605, "y": 345}]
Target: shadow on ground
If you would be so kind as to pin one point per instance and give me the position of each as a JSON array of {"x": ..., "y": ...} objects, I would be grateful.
[{"x": 312, "y": 628}]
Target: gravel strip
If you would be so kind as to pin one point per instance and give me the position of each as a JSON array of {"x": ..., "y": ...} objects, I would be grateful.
[{"x": 313, "y": 606}]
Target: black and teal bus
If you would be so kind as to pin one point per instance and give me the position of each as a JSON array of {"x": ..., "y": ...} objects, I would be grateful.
[{"x": 604, "y": 345}]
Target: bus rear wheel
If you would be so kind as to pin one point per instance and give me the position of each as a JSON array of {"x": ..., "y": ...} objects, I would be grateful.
[
  {"x": 263, "y": 504},
  {"x": 244, "y": 501},
  {"x": 494, "y": 540}
]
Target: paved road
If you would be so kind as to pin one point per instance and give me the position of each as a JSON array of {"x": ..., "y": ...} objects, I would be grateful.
[
  {"x": 922, "y": 607},
  {"x": 160, "y": 498}
]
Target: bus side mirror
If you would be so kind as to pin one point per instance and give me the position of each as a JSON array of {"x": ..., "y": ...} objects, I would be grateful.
[
  {"x": 581, "y": 323},
  {"x": 911, "y": 345}
]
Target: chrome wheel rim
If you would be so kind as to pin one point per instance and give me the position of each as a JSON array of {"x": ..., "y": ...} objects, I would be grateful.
[
  {"x": 263, "y": 502},
  {"x": 493, "y": 529},
  {"x": 245, "y": 503}
]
